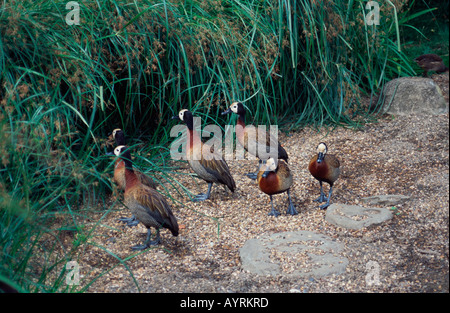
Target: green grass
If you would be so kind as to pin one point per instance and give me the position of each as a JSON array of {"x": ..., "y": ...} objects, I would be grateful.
[
  {"x": 133, "y": 65},
  {"x": 429, "y": 37}
]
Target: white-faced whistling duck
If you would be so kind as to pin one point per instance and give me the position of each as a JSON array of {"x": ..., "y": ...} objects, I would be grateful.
[
  {"x": 274, "y": 179},
  {"x": 212, "y": 168},
  {"x": 147, "y": 205},
  {"x": 119, "y": 168},
  {"x": 325, "y": 168},
  {"x": 431, "y": 62},
  {"x": 119, "y": 173},
  {"x": 252, "y": 139}
]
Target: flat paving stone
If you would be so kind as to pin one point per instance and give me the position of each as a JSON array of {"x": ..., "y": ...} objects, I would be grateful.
[
  {"x": 385, "y": 200},
  {"x": 355, "y": 216},
  {"x": 308, "y": 254}
]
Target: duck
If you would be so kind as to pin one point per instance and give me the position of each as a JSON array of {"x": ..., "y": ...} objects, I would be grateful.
[
  {"x": 274, "y": 177},
  {"x": 119, "y": 173},
  {"x": 252, "y": 139},
  {"x": 119, "y": 166},
  {"x": 147, "y": 205},
  {"x": 211, "y": 168},
  {"x": 431, "y": 62},
  {"x": 325, "y": 168}
]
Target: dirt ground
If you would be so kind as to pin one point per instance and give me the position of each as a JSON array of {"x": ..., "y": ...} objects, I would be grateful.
[{"x": 396, "y": 155}]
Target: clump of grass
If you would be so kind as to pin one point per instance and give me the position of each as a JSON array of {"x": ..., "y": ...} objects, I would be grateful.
[
  {"x": 134, "y": 65},
  {"x": 429, "y": 33}
]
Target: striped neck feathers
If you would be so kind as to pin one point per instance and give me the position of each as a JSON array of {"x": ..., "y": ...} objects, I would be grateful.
[
  {"x": 193, "y": 140},
  {"x": 130, "y": 176}
]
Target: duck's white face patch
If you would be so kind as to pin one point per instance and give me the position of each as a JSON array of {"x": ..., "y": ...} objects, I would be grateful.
[
  {"x": 322, "y": 148},
  {"x": 118, "y": 150},
  {"x": 234, "y": 107},
  {"x": 271, "y": 165},
  {"x": 115, "y": 131},
  {"x": 181, "y": 114}
]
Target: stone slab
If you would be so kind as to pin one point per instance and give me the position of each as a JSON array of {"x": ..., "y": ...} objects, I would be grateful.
[
  {"x": 385, "y": 200},
  {"x": 355, "y": 216},
  {"x": 293, "y": 254}
]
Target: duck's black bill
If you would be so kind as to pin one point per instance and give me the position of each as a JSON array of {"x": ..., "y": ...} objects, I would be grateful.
[{"x": 226, "y": 112}]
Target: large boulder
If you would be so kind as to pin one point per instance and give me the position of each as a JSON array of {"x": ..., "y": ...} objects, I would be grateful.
[{"x": 413, "y": 95}]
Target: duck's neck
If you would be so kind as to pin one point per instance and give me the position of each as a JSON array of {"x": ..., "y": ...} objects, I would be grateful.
[
  {"x": 240, "y": 129},
  {"x": 119, "y": 164},
  {"x": 120, "y": 139},
  {"x": 130, "y": 176},
  {"x": 194, "y": 139},
  {"x": 241, "y": 119}
]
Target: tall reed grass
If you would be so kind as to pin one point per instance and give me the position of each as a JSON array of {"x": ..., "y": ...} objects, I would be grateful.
[{"x": 135, "y": 64}]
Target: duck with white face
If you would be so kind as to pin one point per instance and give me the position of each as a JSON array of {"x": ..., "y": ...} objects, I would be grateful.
[
  {"x": 325, "y": 168},
  {"x": 207, "y": 164},
  {"x": 118, "y": 136},
  {"x": 146, "y": 204},
  {"x": 254, "y": 139},
  {"x": 274, "y": 177},
  {"x": 237, "y": 108}
]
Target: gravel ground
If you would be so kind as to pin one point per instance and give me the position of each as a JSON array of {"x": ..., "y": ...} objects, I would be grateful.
[{"x": 406, "y": 155}]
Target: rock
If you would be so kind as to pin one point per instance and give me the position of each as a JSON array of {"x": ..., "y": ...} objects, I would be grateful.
[
  {"x": 356, "y": 217},
  {"x": 417, "y": 95},
  {"x": 293, "y": 254},
  {"x": 385, "y": 200}
]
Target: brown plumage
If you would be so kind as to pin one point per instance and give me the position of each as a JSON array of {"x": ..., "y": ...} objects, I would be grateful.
[
  {"x": 147, "y": 205},
  {"x": 325, "y": 168},
  {"x": 119, "y": 166},
  {"x": 119, "y": 173},
  {"x": 208, "y": 165},
  {"x": 431, "y": 62},
  {"x": 255, "y": 141},
  {"x": 274, "y": 179}
]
